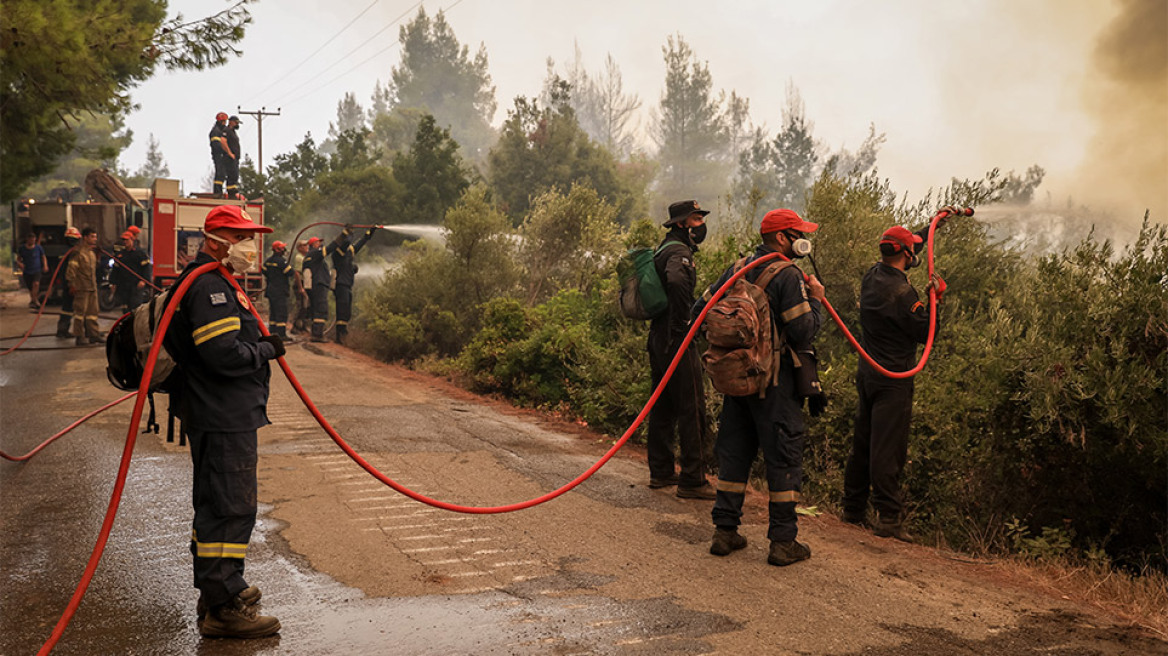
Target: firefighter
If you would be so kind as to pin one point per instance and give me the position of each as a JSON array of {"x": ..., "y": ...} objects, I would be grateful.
[
  {"x": 317, "y": 268},
  {"x": 773, "y": 421},
  {"x": 894, "y": 321},
  {"x": 682, "y": 405},
  {"x": 72, "y": 239},
  {"x": 343, "y": 252},
  {"x": 222, "y": 401},
  {"x": 232, "y": 172},
  {"x": 82, "y": 279},
  {"x": 221, "y": 152},
  {"x": 128, "y": 281},
  {"x": 300, "y": 310},
  {"x": 278, "y": 274}
]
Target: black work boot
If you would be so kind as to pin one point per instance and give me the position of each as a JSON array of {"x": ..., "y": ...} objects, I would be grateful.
[
  {"x": 250, "y": 596},
  {"x": 236, "y": 619},
  {"x": 727, "y": 540},
  {"x": 886, "y": 528},
  {"x": 786, "y": 553}
]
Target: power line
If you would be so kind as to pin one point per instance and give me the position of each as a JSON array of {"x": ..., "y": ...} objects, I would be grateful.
[
  {"x": 346, "y": 55},
  {"x": 314, "y": 52},
  {"x": 359, "y": 65}
]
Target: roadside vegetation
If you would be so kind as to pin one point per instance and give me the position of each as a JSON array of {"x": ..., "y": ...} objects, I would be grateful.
[{"x": 1040, "y": 428}]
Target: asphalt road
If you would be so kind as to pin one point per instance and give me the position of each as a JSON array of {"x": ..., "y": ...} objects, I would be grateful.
[{"x": 351, "y": 567}]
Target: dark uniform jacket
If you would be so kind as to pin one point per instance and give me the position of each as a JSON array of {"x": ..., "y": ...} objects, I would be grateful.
[
  {"x": 136, "y": 260},
  {"x": 675, "y": 266},
  {"x": 343, "y": 252},
  {"x": 314, "y": 262},
  {"x": 790, "y": 306},
  {"x": 218, "y": 138},
  {"x": 278, "y": 273},
  {"x": 215, "y": 340},
  {"x": 892, "y": 317},
  {"x": 232, "y": 140}
]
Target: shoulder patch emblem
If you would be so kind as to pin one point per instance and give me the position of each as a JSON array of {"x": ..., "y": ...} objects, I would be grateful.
[
  {"x": 218, "y": 298},
  {"x": 242, "y": 298},
  {"x": 686, "y": 261}
]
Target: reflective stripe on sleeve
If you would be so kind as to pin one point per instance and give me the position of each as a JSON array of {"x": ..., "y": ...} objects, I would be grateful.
[
  {"x": 214, "y": 329},
  {"x": 795, "y": 312}
]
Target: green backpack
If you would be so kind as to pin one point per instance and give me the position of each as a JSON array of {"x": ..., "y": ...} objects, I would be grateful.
[{"x": 642, "y": 293}]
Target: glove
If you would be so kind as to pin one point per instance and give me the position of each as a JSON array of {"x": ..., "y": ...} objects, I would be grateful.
[
  {"x": 370, "y": 231},
  {"x": 276, "y": 343},
  {"x": 816, "y": 404},
  {"x": 937, "y": 283}
]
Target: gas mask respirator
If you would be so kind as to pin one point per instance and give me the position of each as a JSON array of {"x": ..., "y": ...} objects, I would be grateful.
[
  {"x": 241, "y": 256},
  {"x": 800, "y": 247}
]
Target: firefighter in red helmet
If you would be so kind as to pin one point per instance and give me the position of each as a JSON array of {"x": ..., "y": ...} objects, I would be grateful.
[{"x": 221, "y": 154}]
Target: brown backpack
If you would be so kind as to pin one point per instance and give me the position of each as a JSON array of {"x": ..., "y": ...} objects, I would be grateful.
[{"x": 743, "y": 356}]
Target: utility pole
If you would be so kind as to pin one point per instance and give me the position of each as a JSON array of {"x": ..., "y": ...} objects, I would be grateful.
[{"x": 259, "y": 117}]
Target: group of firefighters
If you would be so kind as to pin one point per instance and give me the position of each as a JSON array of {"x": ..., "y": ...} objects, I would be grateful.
[{"x": 307, "y": 278}]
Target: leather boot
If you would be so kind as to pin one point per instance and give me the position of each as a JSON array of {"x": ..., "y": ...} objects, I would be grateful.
[
  {"x": 786, "y": 553},
  {"x": 250, "y": 596},
  {"x": 892, "y": 529},
  {"x": 236, "y": 619},
  {"x": 727, "y": 540}
]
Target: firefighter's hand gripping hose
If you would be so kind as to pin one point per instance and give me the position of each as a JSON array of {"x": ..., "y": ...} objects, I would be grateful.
[{"x": 937, "y": 218}]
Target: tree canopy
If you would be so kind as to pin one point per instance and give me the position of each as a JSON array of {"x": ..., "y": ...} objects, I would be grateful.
[{"x": 64, "y": 58}]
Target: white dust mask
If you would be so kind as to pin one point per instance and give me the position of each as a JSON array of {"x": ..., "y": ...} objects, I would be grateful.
[{"x": 241, "y": 256}]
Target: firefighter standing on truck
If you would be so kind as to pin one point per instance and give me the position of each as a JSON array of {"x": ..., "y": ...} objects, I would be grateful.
[
  {"x": 682, "y": 405},
  {"x": 222, "y": 401},
  {"x": 894, "y": 321},
  {"x": 278, "y": 274},
  {"x": 343, "y": 252},
  {"x": 320, "y": 279},
  {"x": 773, "y": 420},
  {"x": 231, "y": 176},
  {"x": 221, "y": 152}
]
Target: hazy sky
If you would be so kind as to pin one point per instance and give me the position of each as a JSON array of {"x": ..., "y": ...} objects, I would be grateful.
[{"x": 958, "y": 86}]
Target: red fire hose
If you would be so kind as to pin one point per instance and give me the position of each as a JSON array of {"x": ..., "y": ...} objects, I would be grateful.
[
  {"x": 164, "y": 324},
  {"x": 40, "y": 310},
  {"x": 65, "y": 430}
]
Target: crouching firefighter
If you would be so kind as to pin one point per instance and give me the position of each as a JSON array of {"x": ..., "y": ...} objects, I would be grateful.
[
  {"x": 222, "y": 401},
  {"x": 762, "y": 405}
]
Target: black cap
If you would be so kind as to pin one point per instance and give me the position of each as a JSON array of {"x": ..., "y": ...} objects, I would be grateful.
[
  {"x": 234, "y": 118},
  {"x": 681, "y": 210}
]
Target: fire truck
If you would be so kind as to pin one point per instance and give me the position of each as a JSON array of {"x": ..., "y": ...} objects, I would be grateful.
[{"x": 171, "y": 227}]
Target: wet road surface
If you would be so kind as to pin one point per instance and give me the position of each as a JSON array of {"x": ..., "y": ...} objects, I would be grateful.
[{"x": 351, "y": 567}]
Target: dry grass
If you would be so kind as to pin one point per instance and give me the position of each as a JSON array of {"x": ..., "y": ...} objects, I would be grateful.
[{"x": 1141, "y": 601}]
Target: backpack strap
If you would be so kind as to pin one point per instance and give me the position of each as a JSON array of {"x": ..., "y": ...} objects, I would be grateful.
[{"x": 778, "y": 337}]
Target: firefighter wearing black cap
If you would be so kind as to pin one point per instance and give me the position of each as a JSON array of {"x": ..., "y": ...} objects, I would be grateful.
[
  {"x": 682, "y": 405},
  {"x": 221, "y": 152},
  {"x": 343, "y": 252},
  {"x": 278, "y": 274},
  {"x": 317, "y": 267},
  {"x": 231, "y": 175},
  {"x": 893, "y": 320},
  {"x": 222, "y": 401}
]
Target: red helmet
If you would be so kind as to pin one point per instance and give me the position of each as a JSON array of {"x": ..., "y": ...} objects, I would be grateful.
[
  {"x": 221, "y": 116},
  {"x": 72, "y": 233},
  {"x": 279, "y": 246}
]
